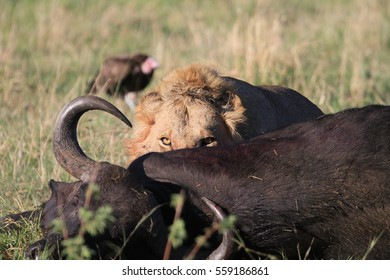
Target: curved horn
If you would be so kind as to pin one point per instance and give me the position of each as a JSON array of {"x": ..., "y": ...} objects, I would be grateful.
[
  {"x": 226, "y": 248},
  {"x": 65, "y": 144}
]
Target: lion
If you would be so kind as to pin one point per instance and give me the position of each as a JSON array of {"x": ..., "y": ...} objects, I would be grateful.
[{"x": 195, "y": 106}]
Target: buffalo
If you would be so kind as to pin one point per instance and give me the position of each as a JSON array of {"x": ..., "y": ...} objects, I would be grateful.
[{"x": 318, "y": 189}]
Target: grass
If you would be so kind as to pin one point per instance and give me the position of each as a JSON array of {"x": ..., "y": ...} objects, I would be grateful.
[
  {"x": 15, "y": 240},
  {"x": 334, "y": 52}
]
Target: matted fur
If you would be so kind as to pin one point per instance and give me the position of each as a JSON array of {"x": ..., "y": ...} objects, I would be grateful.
[{"x": 185, "y": 90}]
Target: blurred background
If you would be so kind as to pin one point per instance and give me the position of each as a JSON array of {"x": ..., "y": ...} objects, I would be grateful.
[{"x": 335, "y": 52}]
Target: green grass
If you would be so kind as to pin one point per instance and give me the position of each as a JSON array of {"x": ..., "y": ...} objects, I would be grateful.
[
  {"x": 15, "y": 240},
  {"x": 334, "y": 52}
]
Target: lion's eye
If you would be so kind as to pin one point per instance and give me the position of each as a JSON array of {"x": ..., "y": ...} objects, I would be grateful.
[
  {"x": 165, "y": 141},
  {"x": 207, "y": 141}
]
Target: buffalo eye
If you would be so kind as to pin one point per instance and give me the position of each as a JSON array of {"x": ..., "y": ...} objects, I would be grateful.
[
  {"x": 207, "y": 141},
  {"x": 165, "y": 141}
]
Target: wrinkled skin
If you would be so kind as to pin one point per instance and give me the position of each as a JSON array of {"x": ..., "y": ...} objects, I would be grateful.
[{"x": 196, "y": 107}]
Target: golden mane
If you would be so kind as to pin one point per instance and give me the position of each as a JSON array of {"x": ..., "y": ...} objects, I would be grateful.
[
  {"x": 196, "y": 79},
  {"x": 196, "y": 83}
]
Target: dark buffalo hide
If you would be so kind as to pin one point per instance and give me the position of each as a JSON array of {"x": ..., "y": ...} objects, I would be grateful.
[{"x": 321, "y": 187}]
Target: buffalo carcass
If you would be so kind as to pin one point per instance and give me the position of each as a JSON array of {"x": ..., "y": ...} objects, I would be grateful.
[
  {"x": 130, "y": 200},
  {"x": 319, "y": 188}
]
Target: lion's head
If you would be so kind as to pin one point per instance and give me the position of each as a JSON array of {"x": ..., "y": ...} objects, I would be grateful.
[{"x": 191, "y": 107}]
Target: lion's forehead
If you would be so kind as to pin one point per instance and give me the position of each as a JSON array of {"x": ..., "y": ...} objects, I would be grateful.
[{"x": 188, "y": 117}]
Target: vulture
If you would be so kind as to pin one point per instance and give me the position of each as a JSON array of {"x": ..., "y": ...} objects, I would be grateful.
[{"x": 125, "y": 76}]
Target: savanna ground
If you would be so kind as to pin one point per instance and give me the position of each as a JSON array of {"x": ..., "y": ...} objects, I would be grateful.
[{"x": 336, "y": 53}]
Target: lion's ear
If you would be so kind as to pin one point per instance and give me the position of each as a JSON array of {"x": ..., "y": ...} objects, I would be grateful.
[{"x": 232, "y": 111}]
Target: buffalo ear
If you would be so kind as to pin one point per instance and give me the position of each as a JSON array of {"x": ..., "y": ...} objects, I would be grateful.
[
  {"x": 59, "y": 189},
  {"x": 57, "y": 197},
  {"x": 54, "y": 185},
  {"x": 63, "y": 192},
  {"x": 232, "y": 112}
]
